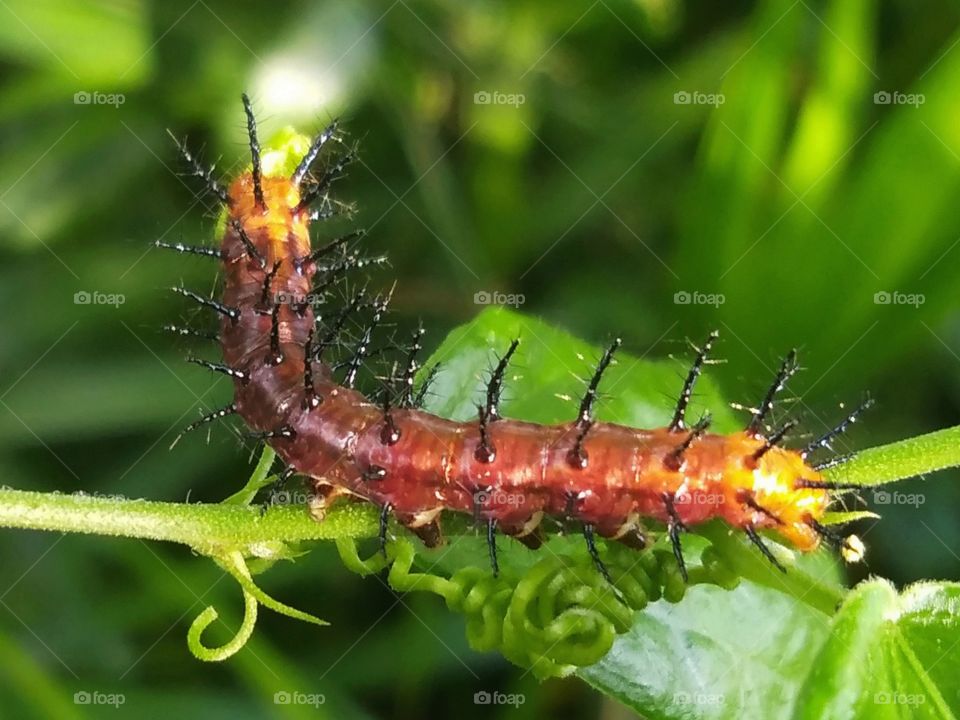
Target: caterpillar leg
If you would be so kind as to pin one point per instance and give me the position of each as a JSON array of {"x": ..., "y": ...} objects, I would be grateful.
[
  {"x": 627, "y": 532},
  {"x": 528, "y": 533},
  {"x": 425, "y": 525},
  {"x": 323, "y": 496},
  {"x": 630, "y": 533}
]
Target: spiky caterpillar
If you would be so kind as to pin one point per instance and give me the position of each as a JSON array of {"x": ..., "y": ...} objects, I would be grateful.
[{"x": 508, "y": 473}]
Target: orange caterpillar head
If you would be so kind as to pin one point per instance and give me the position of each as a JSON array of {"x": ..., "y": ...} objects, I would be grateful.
[
  {"x": 776, "y": 488},
  {"x": 275, "y": 219},
  {"x": 271, "y": 201},
  {"x": 764, "y": 485}
]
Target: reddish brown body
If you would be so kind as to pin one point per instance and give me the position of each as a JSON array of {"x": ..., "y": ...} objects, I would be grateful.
[{"x": 341, "y": 440}]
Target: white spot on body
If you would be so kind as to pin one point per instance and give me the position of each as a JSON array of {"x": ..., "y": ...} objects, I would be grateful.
[{"x": 767, "y": 484}]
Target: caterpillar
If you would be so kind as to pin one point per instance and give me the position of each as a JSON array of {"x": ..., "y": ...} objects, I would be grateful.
[{"x": 278, "y": 339}]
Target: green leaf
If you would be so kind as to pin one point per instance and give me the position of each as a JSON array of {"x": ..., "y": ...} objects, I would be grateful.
[
  {"x": 887, "y": 656},
  {"x": 548, "y": 376},
  {"x": 717, "y": 654},
  {"x": 881, "y": 656},
  {"x": 67, "y": 39},
  {"x": 768, "y": 648}
]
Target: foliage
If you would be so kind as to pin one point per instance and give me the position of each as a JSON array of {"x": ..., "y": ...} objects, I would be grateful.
[
  {"x": 596, "y": 200},
  {"x": 552, "y": 612}
]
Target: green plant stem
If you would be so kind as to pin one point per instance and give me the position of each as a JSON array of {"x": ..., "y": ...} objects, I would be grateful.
[
  {"x": 207, "y": 528},
  {"x": 902, "y": 459}
]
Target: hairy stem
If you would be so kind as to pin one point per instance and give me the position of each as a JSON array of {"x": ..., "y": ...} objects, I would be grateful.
[
  {"x": 210, "y": 529},
  {"x": 902, "y": 459}
]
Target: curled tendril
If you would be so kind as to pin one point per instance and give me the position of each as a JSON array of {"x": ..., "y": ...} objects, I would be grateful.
[
  {"x": 553, "y": 617},
  {"x": 235, "y": 564},
  {"x": 559, "y": 615}
]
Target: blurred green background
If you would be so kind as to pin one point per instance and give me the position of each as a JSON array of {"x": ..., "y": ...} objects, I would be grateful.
[{"x": 775, "y": 164}]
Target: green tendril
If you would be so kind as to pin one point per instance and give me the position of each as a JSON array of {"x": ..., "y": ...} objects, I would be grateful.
[
  {"x": 560, "y": 614},
  {"x": 235, "y": 564}
]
